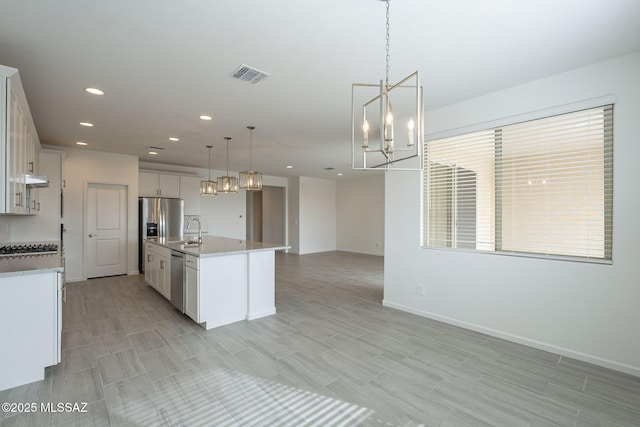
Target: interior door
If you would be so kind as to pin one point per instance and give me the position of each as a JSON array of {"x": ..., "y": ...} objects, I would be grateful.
[{"x": 106, "y": 239}]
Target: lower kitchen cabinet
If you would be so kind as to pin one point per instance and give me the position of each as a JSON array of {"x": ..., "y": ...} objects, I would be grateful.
[
  {"x": 157, "y": 268},
  {"x": 31, "y": 326},
  {"x": 192, "y": 290},
  {"x": 164, "y": 275},
  {"x": 150, "y": 273}
]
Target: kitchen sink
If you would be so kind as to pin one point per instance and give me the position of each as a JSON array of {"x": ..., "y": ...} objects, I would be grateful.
[{"x": 189, "y": 242}]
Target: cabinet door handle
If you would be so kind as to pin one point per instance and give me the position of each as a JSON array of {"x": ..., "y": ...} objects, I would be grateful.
[
  {"x": 30, "y": 167},
  {"x": 162, "y": 265},
  {"x": 64, "y": 293},
  {"x": 148, "y": 258},
  {"x": 18, "y": 202},
  {"x": 93, "y": 235},
  {"x": 159, "y": 192}
]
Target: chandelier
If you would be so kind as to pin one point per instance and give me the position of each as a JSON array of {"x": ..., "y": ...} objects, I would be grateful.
[
  {"x": 251, "y": 180},
  {"x": 387, "y": 122},
  {"x": 227, "y": 184},
  {"x": 208, "y": 187}
]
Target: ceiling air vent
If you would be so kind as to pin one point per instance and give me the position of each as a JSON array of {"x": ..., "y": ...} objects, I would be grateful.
[
  {"x": 249, "y": 74},
  {"x": 153, "y": 147}
]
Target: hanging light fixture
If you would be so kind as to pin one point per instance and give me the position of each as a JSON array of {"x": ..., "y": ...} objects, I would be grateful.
[
  {"x": 208, "y": 187},
  {"x": 378, "y": 111},
  {"x": 251, "y": 180},
  {"x": 227, "y": 184}
]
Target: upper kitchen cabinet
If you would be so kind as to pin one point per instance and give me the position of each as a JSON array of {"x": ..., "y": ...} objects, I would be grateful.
[
  {"x": 158, "y": 185},
  {"x": 19, "y": 145}
]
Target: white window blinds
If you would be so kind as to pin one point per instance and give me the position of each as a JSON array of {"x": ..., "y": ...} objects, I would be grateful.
[{"x": 540, "y": 187}]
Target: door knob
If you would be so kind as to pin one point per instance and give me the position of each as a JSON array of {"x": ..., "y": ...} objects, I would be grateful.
[{"x": 93, "y": 235}]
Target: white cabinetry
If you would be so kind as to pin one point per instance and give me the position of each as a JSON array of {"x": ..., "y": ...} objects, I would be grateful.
[
  {"x": 157, "y": 268},
  {"x": 191, "y": 281},
  {"x": 158, "y": 185},
  {"x": 30, "y": 326},
  {"x": 150, "y": 272},
  {"x": 19, "y": 145},
  {"x": 164, "y": 274}
]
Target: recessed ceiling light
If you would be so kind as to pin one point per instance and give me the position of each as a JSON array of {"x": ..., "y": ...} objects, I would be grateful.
[
  {"x": 205, "y": 117},
  {"x": 81, "y": 143},
  {"x": 93, "y": 91},
  {"x": 86, "y": 124},
  {"x": 153, "y": 153},
  {"x": 289, "y": 167},
  {"x": 339, "y": 174},
  {"x": 174, "y": 139}
]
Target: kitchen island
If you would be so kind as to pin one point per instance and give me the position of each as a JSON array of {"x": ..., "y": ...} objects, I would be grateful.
[{"x": 225, "y": 280}]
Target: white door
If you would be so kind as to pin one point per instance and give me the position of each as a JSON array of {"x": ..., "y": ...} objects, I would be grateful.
[{"x": 106, "y": 230}]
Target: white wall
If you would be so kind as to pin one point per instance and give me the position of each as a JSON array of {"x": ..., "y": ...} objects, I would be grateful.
[
  {"x": 80, "y": 167},
  {"x": 224, "y": 215},
  {"x": 360, "y": 214},
  {"x": 586, "y": 311},
  {"x": 5, "y": 229},
  {"x": 317, "y": 216},
  {"x": 293, "y": 194}
]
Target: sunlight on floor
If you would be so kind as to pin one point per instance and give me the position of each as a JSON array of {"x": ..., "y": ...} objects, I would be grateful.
[{"x": 255, "y": 401}]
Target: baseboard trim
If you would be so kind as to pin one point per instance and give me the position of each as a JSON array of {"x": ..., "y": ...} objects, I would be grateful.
[
  {"x": 259, "y": 314},
  {"x": 606, "y": 363}
]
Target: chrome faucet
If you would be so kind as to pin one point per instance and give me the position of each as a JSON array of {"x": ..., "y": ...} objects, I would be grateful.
[{"x": 195, "y": 218}]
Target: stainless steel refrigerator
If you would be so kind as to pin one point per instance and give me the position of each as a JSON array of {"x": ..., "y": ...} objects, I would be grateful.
[{"x": 159, "y": 217}]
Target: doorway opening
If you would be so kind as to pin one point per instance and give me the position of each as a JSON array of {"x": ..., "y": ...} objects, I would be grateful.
[{"x": 266, "y": 215}]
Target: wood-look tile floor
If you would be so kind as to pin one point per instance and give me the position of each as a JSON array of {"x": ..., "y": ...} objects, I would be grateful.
[{"x": 331, "y": 356}]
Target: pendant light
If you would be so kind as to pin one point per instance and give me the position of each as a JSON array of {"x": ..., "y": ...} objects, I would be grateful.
[
  {"x": 251, "y": 180},
  {"x": 382, "y": 109},
  {"x": 208, "y": 187},
  {"x": 227, "y": 184}
]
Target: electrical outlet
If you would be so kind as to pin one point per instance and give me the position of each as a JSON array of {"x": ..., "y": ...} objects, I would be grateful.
[{"x": 420, "y": 289}]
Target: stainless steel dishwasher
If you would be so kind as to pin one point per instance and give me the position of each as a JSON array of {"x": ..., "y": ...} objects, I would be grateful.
[{"x": 177, "y": 280}]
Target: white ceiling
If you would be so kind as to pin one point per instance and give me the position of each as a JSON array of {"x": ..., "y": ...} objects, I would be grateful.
[{"x": 162, "y": 63}]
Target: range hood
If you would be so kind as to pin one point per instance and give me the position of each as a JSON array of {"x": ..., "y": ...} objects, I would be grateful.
[{"x": 36, "y": 181}]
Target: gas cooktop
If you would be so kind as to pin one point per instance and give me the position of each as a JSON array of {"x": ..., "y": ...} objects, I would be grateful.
[{"x": 28, "y": 249}]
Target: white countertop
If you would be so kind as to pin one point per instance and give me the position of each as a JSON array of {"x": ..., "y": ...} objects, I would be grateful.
[{"x": 217, "y": 246}]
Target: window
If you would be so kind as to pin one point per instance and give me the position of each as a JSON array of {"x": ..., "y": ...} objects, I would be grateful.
[{"x": 542, "y": 187}]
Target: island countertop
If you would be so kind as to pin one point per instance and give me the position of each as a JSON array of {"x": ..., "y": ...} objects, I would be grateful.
[{"x": 216, "y": 246}]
